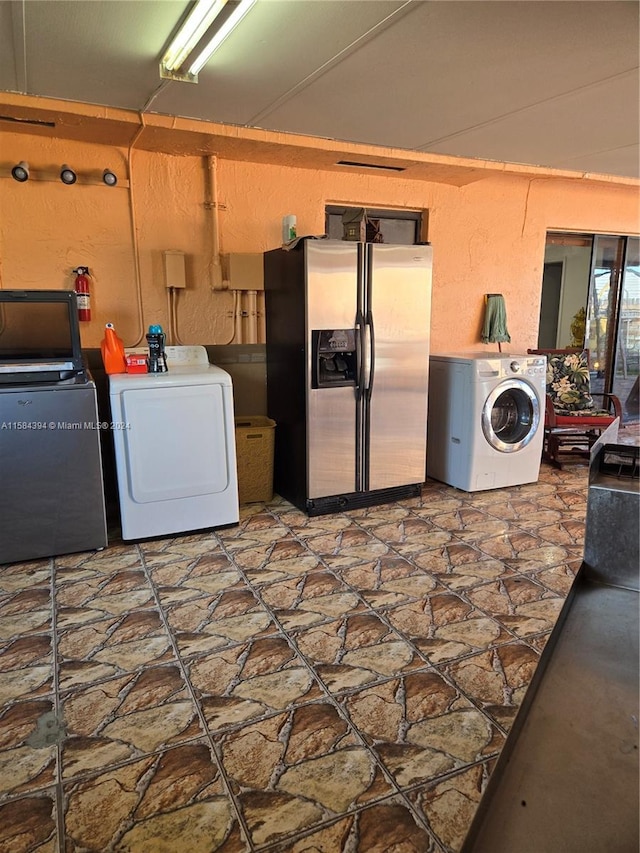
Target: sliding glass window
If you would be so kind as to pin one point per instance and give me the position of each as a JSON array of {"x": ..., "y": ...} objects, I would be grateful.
[{"x": 591, "y": 297}]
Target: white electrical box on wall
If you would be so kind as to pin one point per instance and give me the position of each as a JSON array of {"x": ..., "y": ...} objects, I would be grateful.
[{"x": 174, "y": 269}]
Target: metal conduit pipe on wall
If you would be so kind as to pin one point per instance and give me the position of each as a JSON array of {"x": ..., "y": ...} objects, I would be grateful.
[
  {"x": 262, "y": 319},
  {"x": 251, "y": 316},
  {"x": 212, "y": 204},
  {"x": 237, "y": 317},
  {"x": 215, "y": 266}
]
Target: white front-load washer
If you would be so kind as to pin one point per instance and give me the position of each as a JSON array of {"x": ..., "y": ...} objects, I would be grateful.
[
  {"x": 485, "y": 419},
  {"x": 174, "y": 441}
]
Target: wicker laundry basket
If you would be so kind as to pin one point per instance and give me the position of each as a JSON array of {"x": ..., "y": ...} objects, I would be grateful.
[{"x": 255, "y": 439}]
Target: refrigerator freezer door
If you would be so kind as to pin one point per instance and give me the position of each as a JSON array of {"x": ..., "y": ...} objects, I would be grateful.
[
  {"x": 399, "y": 302},
  {"x": 333, "y": 276}
]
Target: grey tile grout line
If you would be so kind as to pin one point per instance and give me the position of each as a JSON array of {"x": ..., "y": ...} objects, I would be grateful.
[
  {"x": 277, "y": 846},
  {"x": 203, "y": 723},
  {"x": 59, "y": 712},
  {"x": 338, "y": 707}
]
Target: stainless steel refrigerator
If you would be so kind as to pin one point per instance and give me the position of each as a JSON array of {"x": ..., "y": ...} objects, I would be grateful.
[{"x": 347, "y": 371}]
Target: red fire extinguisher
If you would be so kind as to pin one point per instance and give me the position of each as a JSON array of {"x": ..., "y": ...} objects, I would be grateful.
[{"x": 81, "y": 288}]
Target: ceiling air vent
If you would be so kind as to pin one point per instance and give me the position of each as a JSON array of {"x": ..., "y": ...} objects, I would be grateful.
[
  {"x": 371, "y": 166},
  {"x": 29, "y": 121}
]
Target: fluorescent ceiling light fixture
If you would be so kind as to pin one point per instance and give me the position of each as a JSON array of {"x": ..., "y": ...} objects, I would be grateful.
[
  {"x": 201, "y": 34},
  {"x": 221, "y": 34},
  {"x": 197, "y": 23}
]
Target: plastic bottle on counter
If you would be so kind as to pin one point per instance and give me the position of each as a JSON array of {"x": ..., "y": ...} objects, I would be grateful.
[
  {"x": 112, "y": 349},
  {"x": 289, "y": 228},
  {"x": 157, "y": 361}
]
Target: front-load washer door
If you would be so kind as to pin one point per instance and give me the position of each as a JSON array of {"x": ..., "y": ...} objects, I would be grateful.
[
  {"x": 510, "y": 416},
  {"x": 175, "y": 445}
]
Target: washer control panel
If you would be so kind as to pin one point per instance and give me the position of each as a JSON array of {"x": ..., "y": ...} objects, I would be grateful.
[{"x": 534, "y": 366}]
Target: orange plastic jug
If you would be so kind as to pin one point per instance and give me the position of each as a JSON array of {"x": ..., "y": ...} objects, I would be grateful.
[{"x": 113, "y": 351}]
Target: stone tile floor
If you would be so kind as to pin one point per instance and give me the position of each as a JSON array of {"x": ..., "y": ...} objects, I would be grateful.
[{"x": 341, "y": 683}]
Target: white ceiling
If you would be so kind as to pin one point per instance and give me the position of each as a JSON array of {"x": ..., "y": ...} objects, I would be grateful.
[{"x": 542, "y": 82}]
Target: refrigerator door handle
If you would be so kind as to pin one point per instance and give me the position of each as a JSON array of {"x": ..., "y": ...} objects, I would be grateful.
[
  {"x": 370, "y": 354},
  {"x": 360, "y": 442},
  {"x": 360, "y": 378}
]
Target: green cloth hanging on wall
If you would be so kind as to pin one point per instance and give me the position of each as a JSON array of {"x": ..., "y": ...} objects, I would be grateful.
[{"x": 495, "y": 320}]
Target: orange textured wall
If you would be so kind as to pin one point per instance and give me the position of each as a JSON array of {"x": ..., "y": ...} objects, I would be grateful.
[{"x": 487, "y": 236}]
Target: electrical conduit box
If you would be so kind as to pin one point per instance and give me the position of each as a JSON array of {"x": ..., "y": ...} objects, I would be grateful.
[
  {"x": 174, "y": 269},
  {"x": 243, "y": 271}
]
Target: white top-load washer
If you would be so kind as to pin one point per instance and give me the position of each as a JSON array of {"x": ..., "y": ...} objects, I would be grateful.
[
  {"x": 485, "y": 419},
  {"x": 174, "y": 439}
]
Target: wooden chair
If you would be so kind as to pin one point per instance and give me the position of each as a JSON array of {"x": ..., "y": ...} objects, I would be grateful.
[{"x": 573, "y": 421}]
